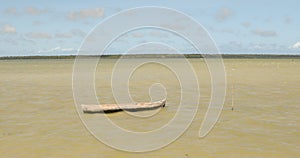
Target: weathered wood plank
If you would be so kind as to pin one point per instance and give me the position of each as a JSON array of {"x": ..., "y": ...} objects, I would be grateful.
[{"x": 119, "y": 107}]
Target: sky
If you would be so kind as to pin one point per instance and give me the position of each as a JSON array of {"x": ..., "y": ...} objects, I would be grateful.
[{"x": 31, "y": 27}]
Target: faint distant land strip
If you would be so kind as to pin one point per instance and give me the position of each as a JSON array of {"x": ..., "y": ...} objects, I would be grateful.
[{"x": 225, "y": 56}]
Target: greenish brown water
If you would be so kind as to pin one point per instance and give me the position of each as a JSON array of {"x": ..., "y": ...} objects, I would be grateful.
[{"x": 38, "y": 117}]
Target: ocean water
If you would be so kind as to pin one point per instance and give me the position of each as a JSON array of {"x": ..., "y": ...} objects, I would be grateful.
[{"x": 38, "y": 117}]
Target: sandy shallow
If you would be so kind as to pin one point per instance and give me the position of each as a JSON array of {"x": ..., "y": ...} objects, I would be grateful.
[{"x": 38, "y": 117}]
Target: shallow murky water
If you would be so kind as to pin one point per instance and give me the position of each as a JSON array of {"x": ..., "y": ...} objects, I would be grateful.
[{"x": 38, "y": 117}]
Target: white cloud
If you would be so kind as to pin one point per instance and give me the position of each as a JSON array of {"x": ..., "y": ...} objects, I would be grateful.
[
  {"x": 232, "y": 46},
  {"x": 266, "y": 47},
  {"x": 158, "y": 33},
  {"x": 26, "y": 39},
  {"x": 264, "y": 33},
  {"x": 72, "y": 33},
  {"x": 86, "y": 13},
  {"x": 38, "y": 35},
  {"x": 287, "y": 20},
  {"x": 78, "y": 32},
  {"x": 30, "y": 10},
  {"x": 227, "y": 30},
  {"x": 63, "y": 35},
  {"x": 223, "y": 14},
  {"x": 252, "y": 47},
  {"x": 37, "y": 23},
  {"x": 138, "y": 34},
  {"x": 246, "y": 24},
  {"x": 175, "y": 26},
  {"x": 295, "y": 46},
  {"x": 17, "y": 39},
  {"x": 223, "y": 30},
  {"x": 34, "y": 11},
  {"x": 269, "y": 20},
  {"x": 67, "y": 49},
  {"x": 10, "y": 41},
  {"x": 11, "y": 11},
  {"x": 57, "y": 50},
  {"x": 8, "y": 29}
]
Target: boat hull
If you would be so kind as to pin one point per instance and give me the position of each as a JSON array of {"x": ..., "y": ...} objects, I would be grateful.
[{"x": 108, "y": 108}]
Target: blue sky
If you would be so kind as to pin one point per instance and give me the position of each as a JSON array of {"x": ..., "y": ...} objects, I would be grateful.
[{"x": 55, "y": 27}]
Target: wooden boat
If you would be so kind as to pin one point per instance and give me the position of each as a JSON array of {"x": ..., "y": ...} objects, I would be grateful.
[{"x": 108, "y": 108}]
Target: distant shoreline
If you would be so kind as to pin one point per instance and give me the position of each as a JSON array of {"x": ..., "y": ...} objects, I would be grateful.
[{"x": 225, "y": 56}]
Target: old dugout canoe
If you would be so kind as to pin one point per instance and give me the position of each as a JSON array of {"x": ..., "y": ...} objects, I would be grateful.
[{"x": 103, "y": 108}]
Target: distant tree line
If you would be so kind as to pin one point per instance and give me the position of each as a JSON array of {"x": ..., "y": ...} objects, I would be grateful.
[{"x": 225, "y": 56}]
